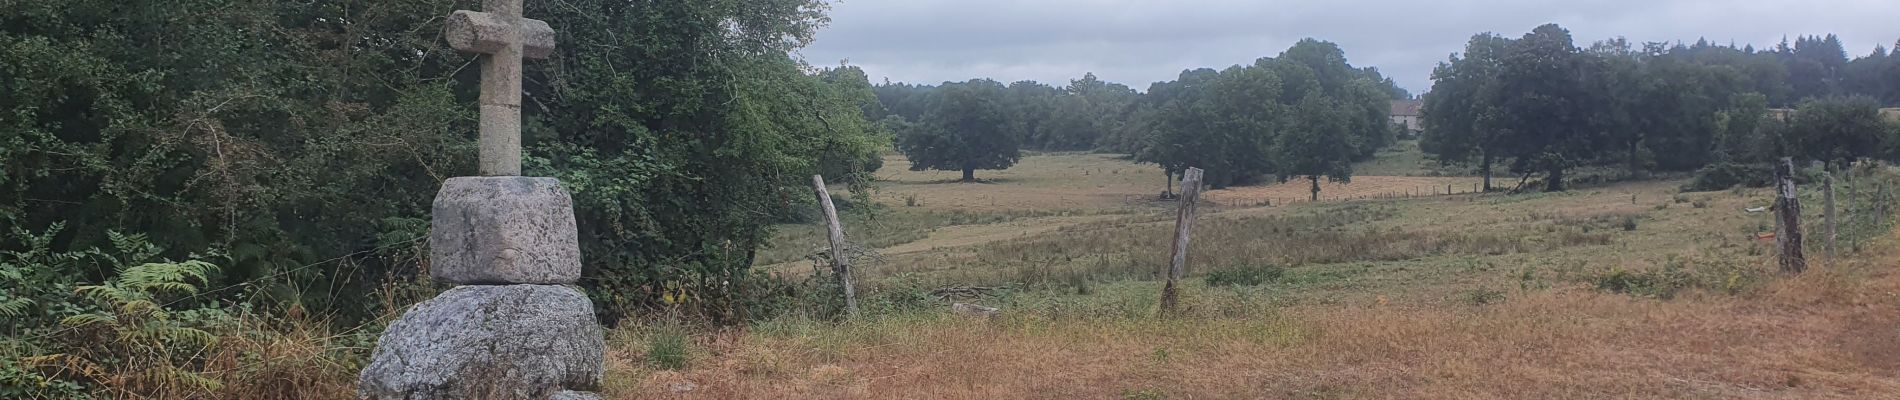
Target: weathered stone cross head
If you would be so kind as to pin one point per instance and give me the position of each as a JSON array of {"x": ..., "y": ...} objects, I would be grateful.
[{"x": 503, "y": 37}]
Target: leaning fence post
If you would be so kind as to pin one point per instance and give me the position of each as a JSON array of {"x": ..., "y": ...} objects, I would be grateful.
[
  {"x": 840, "y": 262},
  {"x": 1183, "y": 225},
  {"x": 1788, "y": 214}
]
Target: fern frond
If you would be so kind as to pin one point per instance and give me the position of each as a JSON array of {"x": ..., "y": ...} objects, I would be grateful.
[
  {"x": 89, "y": 320},
  {"x": 198, "y": 269},
  {"x": 15, "y": 308},
  {"x": 111, "y": 295},
  {"x": 161, "y": 277},
  {"x": 188, "y": 337},
  {"x": 76, "y": 364},
  {"x": 180, "y": 377},
  {"x": 162, "y": 287},
  {"x": 133, "y": 247},
  {"x": 140, "y": 307}
]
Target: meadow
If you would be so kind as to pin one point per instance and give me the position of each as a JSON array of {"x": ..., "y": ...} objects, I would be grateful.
[{"x": 1622, "y": 290}]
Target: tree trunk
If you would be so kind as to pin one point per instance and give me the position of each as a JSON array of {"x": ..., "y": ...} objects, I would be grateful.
[
  {"x": 1183, "y": 225},
  {"x": 969, "y": 174},
  {"x": 1315, "y": 180},
  {"x": 1788, "y": 218},
  {"x": 1485, "y": 166},
  {"x": 840, "y": 261},
  {"x": 1170, "y": 191},
  {"x": 1633, "y": 162},
  {"x": 1556, "y": 183}
]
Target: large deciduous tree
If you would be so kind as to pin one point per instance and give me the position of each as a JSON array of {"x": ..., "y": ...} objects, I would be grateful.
[
  {"x": 1837, "y": 130},
  {"x": 1317, "y": 142},
  {"x": 1546, "y": 111},
  {"x": 964, "y": 128},
  {"x": 1461, "y": 113},
  {"x": 1247, "y": 122}
]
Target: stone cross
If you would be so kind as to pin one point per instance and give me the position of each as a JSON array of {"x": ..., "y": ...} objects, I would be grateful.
[
  {"x": 503, "y": 37},
  {"x": 517, "y": 328}
]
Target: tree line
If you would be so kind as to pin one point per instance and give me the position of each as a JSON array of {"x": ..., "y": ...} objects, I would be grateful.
[
  {"x": 1304, "y": 114},
  {"x": 1540, "y": 104}
]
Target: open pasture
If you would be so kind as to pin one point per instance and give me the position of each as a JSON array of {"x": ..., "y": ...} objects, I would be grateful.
[{"x": 1631, "y": 290}]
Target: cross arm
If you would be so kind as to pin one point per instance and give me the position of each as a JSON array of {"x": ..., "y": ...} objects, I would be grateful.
[{"x": 488, "y": 33}]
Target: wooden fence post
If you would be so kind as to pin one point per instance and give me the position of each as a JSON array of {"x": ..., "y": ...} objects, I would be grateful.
[
  {"x": 1183, "y": 225},
  {"x": 1880, "y": 203},
  {"x": 1788, "y": 214},
  {"x": 1827, "y": 196},
  {"x": 840, "y": 262}
]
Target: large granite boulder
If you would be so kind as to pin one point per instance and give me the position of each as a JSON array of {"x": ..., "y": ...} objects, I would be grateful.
[
  {"x": 501, "y": 230},
  {"x": 489, "y": 342}
]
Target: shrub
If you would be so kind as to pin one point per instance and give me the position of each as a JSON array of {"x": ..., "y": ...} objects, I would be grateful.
[
  {"x": 1483, "y": 296},
  {"x": 669, "y": 346},
  {"x": 1648, "y": 283},
  {"x": 36, "y": 283},
  {"x": 137, "y": 340},
  {"x": 1676, "y": 275},
  {"x": 905, "y": 293},
  {"x": 1724, "y": 175},
  {"x": 1080, "y": 283},
  {"x": 1246, "y": 275},
  {"x": 22, "y": 381}
]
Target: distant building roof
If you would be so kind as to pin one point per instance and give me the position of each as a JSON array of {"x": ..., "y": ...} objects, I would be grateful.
[
  {"x": 1407, "y": 107},
  {"x": 1891, "y": 113}
]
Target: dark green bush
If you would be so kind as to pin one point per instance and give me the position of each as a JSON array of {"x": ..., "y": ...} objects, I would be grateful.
[
  {"x": 1724, "y": 175},
  {"x": 1483, "y": 296},
  {"x": 1658, "y": 284},
  {"x": 1246, "y": 275},
  {"x": 1678, "y": 274}
]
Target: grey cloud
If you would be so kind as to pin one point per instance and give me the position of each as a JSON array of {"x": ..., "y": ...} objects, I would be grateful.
[{"x": 1140, "y": 42}]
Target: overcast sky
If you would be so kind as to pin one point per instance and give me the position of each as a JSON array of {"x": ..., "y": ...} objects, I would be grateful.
[{"x": 1138, "y": 42}]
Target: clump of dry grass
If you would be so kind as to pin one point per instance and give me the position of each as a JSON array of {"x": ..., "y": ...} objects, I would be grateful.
[{"x": 287, "y": 359}]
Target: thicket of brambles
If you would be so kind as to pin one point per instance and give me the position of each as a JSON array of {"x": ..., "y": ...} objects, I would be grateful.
[
  {"x": 1539, "y": 104},
  {"x": 178, "y": 178}
]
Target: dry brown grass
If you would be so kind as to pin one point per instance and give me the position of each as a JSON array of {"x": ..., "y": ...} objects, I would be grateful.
[
  {"x": 1825, "y": 335},
  {"x": 1361, "y": 187},
  {"x": 1061, "y": 181}
]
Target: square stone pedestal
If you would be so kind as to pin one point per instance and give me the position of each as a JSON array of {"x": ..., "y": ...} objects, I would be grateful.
[{"x": 502, "y": 230}]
